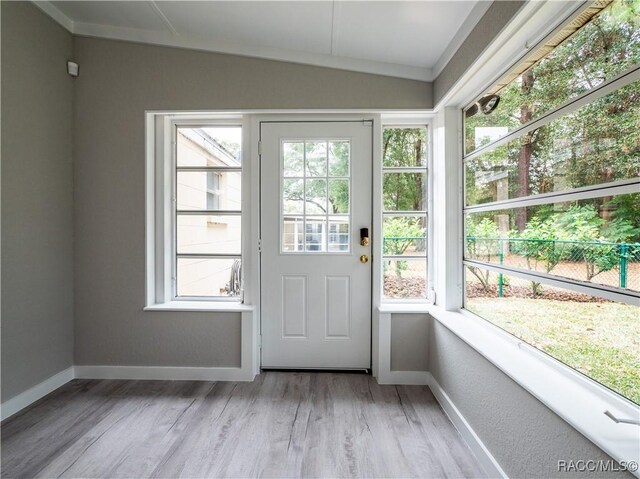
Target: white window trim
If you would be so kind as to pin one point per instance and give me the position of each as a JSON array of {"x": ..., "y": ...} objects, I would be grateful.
[
  {"x": 160, "y": 217},
  {"x": 577, "y": 399},
  {"x": 405, "y": 120}
]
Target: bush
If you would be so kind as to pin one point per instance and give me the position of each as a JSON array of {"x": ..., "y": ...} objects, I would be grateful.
[{"x": 399, "y": 234}]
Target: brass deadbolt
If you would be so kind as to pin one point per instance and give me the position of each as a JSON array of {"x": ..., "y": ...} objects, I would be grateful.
[{"x": 364, "y": 258}]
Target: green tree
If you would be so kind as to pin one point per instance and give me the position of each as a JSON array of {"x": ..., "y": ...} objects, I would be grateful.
[
  {"x": 598, "y": 143},
  {"x": 404, "y": 147}
]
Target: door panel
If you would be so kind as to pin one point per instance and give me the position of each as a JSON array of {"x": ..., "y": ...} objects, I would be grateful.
[
  {"x": 294, "y": 306},
  {"x": 315, "y": 197},
  {"x": 338, "y": 309}
]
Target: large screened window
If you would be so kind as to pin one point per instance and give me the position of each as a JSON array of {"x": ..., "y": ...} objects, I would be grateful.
[
  {"x": 552, "y": 201},
  {"x": 207, "y": 213},
  {"x": 404, "y": 211}
]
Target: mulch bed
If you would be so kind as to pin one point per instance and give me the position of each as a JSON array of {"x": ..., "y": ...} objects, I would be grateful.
[
  {"x": 395, "y": 287},
  {"x": 404, "y": 287},
  {"x": 475, "y": 290}
]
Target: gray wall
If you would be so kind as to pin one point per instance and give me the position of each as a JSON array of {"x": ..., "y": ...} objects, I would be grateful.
[
  {"x": 37, "y": 226},
  {"x": 498, "y": 15},
  {"x": 118, "y": 82},
  {"x": 409, "y": 339},
  {"x": 526, "y": 438}
]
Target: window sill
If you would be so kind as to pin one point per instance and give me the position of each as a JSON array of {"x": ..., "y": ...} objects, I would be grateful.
[
  {"x": 575, "y": 398},
  {"x": 205, "y": 306},
  {"x": 400, "y": 308}
]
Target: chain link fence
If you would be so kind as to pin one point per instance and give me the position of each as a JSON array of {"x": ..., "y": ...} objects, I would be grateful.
[{"x": 609, "y": 264}]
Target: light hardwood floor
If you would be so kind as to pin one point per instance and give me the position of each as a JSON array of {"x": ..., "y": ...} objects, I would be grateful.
[{"x": 282, "y": 425}]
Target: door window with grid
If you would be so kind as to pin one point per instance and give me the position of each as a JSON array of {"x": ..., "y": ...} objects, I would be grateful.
[
  {"x": 315, "y": 194},
  {"x": 208, "y": 226}
]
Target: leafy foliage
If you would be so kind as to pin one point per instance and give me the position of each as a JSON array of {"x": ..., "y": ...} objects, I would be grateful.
[
  {"x": 404, "y": 147},
  {"x": 401, "y": 233},
  {"x": 598, "y": 143},
  {"x": 577, "y": 234},
  {"x": 482, "y": 242}
]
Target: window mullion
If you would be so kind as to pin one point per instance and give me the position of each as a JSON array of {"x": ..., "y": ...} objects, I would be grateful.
[
  {"x": 617, "y": 82},
  {"x": 621, "y": 187},
  {"x": 208, "y": 212}
]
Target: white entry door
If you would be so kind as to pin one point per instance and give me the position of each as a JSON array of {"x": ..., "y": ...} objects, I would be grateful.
[{"x": 316, "y": 288}]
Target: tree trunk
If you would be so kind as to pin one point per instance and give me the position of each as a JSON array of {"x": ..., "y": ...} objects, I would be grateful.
[{"x": 524, "y": 158}]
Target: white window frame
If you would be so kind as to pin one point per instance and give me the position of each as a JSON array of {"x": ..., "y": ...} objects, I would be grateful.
[
  {"x": 577, "y": 399},
  {"x": 620, "y": 187},
  {"x": 161, "y": 211},
  {"x": 404, "y": 120}
]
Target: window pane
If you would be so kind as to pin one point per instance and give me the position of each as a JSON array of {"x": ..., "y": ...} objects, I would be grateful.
[
  {"x": 339, "y": 234},
  {"x": 293, "y": 234},
  {"x": 591, "y": 240},
  {"x": 596, "y": 144},
  {"x": 293, "y": 159},
  {"x": 338, "y": 196},
  {"x": 595, "y": 336},
  {"x": 293, "y": 196},
  {"x": 404, "y": 147},
  {"x": 315, "y": 234},
  {"x": 316, "y": 158},
  {"x": 404, "y": 191},
  {"x": 405, "y": 235},
  {"x": 316, "y": 197},
  {"x": 606, "y": 46},
  {"x": 339, "y": 158},
  {"x": 217, "y": 146},
  {"x": 207, "y": 234},
  {"x": 314, "y": 205},
  {"x": 406, "y": 278},
  {"x": 206, "y": 189},
  {"x": 208, "y": 277}
]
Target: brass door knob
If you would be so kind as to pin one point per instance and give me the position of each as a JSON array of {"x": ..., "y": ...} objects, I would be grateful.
[{"x": 364, "y": 258}]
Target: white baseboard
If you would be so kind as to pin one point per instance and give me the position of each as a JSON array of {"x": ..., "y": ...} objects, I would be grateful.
[
  {"x": 22, "y": 400},
  {"x": 418, "y": 378},
  {"x": 164, "y": 373},
  {"x": 484, "y": 456}
]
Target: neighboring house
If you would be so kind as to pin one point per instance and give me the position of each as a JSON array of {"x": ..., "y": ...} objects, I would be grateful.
[{"x": 207, "y": 190}]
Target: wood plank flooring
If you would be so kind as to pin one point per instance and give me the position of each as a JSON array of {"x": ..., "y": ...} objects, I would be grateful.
[{"x": 282, "y": 425}]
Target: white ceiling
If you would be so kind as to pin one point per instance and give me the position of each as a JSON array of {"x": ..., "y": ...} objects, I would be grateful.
[{"x": 407, "y": 39}]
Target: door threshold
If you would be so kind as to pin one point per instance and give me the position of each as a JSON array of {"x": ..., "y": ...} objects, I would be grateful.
[{"x": 319, "y": 370}]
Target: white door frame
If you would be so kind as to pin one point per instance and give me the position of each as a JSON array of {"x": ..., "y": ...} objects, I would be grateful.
[{"x": 253, "y": 269}]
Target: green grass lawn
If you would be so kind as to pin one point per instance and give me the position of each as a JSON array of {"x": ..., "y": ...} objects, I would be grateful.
[{"x": 601, "y": 340}]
